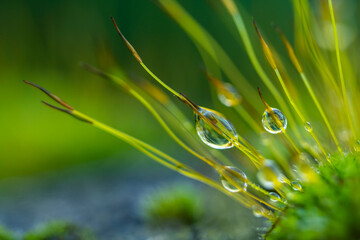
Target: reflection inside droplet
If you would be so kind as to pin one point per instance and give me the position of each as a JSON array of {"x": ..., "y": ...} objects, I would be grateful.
[
  {"x": 233, "y": 179},
  {"x": 274, "y": 197},
  {"x": 209, "y": 135},
  {"x": 308, "y": 127},
  {"x": 270, "y": 125}
]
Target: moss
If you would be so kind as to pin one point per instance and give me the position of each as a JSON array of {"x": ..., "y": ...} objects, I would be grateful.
[
  {"x": 5, "y": 234},
  {"x": 329, "y": 208},
  {"x": 59, "y": 231},
  {"x": 173, "y": 205}
]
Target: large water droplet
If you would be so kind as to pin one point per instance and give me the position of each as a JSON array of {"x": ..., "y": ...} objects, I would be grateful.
[
  {"x": 209, "y": 135},
  {"x": 228, "y": 95},
  {"x": 270, "y": 174},
  {"x": 269, "y": 123},
  {"x": 308, "y": 127},
  {"x": 233, "y": 179},
  {"x": 274, "y": 197}
]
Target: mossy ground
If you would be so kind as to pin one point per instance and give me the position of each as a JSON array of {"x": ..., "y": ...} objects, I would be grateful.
[
  {"x": 59, "y": 231},
  {"x": 328, "y": 208}
]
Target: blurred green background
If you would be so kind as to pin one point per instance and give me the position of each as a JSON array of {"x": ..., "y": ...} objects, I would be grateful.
[{"x": 43, "y": 41}]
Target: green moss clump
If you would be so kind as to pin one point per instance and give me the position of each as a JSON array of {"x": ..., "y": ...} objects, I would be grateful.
[
  {"x": 173, "y": 205},
  {"x": 6, "y": 234},
  {"x": 327, "y": 209},
  {"x": 59, "y": 231}
]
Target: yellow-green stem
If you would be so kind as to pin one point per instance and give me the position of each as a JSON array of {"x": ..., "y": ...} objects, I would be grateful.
[{"x": 341, "y": 74}]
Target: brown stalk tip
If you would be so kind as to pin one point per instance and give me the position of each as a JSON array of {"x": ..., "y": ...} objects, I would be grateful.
[
  {"x": 127, "y": 43},
  {"x": 254, "y": 22},
  {"x": 70, "y": 112},
  {"x": 266, "y": 48},
  {"x": 56, "y": 108},
  {"x": 94, "y": 70},
  {"x": 188, "y": 102},
  {"x": 54, "y": 97},
  {"x": 262, "y": 99}
]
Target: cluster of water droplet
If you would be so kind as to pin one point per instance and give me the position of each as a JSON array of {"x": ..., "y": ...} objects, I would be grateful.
[
  {"x": 269, "y": 123},
  {"x": 208, "y": 134}
]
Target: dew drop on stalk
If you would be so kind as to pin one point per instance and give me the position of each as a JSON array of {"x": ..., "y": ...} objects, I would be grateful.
[
  {"x": 269, "y": 174},
  {"x": 228, "y": 95},
  {"x": 258, "y": 211},
  {"x": 296, "y": 186},
  {"x": 269, "y": 123},
  {"x": 308, "y": 127},
  {"x": 274, "y": 197},
  {"x": 357, "y": 146},
  {"x": 209, "y": 135},
  {"x": 233, "y": 179}
]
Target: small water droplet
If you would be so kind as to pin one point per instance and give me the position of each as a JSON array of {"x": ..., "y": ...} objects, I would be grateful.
[
  {"x": 308, "y": 127},
  {"x": 258, "y": 211},
  {"x": 269, "y": 174},
  {"x": 275, "y": 197},
  {"x": 233, "y": 179},
  {"x": 357, "y": 146},
  {"x": 269, "y": 123},
  {"x": 296, "y": 186},
  {"x": 210, "y": 136},
  {"x": 228, "y": 95}
]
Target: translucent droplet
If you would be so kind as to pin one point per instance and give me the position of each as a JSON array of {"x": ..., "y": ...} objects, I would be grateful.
[
  {"x": 228, "y": 95},
  {"x": 306, "y": 168},
  {"x": 275, "y": 197},
  {"x": 269, "y": 174},
  {"x": 357, "y": 146},
  {"x": 258, "y": 211},
  {"x": 269, "y": 123},
  {"x": 209, "y": 135},
  {"x": 296, "y": 186},
  {"x": 308, "y": 127},
  {"x": 233, "y": 179}
]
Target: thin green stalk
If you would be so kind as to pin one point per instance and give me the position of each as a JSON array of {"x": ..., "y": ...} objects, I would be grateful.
[
  {"x": 320, "y": 109},
  {"x": 153, "y": 112},
  {"x": 239, "y": 22},
  {"x": 202, "y": 38},
  {"x": 255, "y": 157},
  {"x": 248, "y": 119},
  {"x": 300, "y": 70},
  {"x": 341, "y": 74},
  {"x": 299, "y": 112}
]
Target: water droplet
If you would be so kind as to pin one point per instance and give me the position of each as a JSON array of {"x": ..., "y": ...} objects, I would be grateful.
[
  {"x": 357, "y": 146},
  {"x": 228, "y": 95},
  {"x": 308, "y": 127},
  {"x": 258, "y": 211},
  {"x": 209, "y": 135},
  {"x": 269, "y": 123},
  {"x": 233, "y": 179},
  {"x": 306, "y": 168},
  {"x": 296, "y": 186},
  {"x": 269, "y": 174},
  {"x": 275, "y": 197}
]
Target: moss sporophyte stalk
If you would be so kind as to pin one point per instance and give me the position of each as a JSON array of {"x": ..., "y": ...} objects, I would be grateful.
[{"x": 307, "y": 172}]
